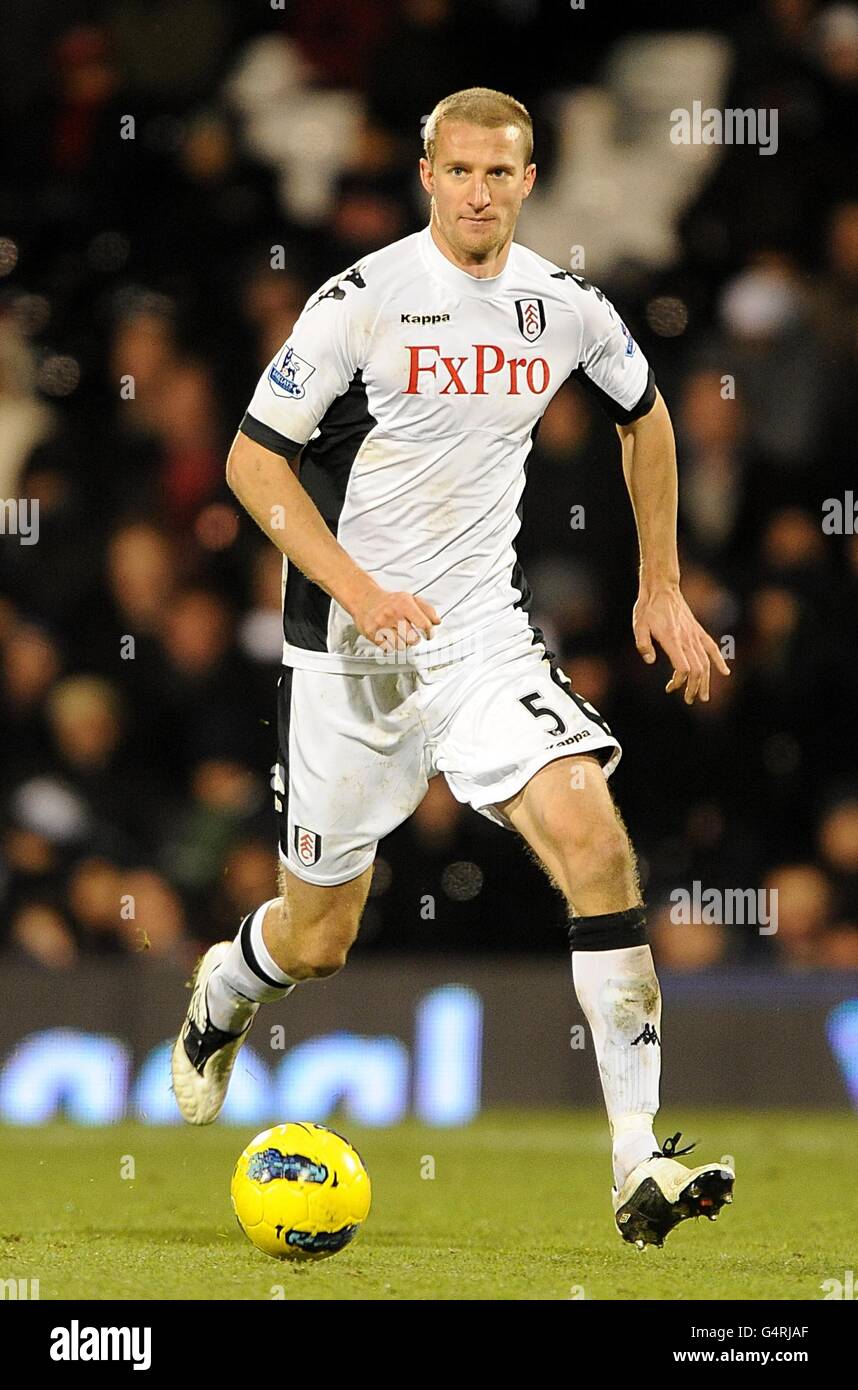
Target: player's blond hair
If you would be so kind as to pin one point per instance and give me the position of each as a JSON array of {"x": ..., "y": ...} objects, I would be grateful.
[{"x": 479, "y": 106}]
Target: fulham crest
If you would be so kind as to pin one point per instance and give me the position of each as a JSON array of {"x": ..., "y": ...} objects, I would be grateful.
[
  {"x": 308, "y": 845},
  {"x": 531, "y": 318}
]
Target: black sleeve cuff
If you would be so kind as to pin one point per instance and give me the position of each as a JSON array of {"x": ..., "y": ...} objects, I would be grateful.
[
  {"x": 645, "y": 404},
  {"x": 610, "y": 406},
  {"x": 269, "y": 438}
]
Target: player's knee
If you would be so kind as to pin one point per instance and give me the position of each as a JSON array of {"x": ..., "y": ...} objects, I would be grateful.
[
  {"x": 581, "y": 826},
  {"x": 600, "y": 847},
  {"x": 318, "y": 965},
  {"x": 615, "y": 849},
  {"x": 324, "y": 950}
]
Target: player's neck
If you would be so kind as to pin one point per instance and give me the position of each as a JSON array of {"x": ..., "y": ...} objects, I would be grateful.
[{"x": 481, "y": 270}]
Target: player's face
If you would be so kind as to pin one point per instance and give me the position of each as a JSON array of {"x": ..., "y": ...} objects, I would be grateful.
[{"x": 478, "y": 182}]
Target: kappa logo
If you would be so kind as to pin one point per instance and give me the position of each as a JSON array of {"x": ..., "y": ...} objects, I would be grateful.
[
  {"x": 288, "y": 375},
  {"x": 424, "y": 318},
  {"x": 573, "y": 738},
  {"x": 649, "y": 1035},
  {"x": 308, "y": 845},
  {"x": 584, "y": 285},
  {"x": 531, "y": 318},
  {"x": 336, "y": 291}
]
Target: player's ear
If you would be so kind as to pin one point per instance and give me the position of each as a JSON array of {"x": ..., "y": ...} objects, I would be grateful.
[
  {"x": 529, "y": 179},
  {"x": 426, "y": 175}
]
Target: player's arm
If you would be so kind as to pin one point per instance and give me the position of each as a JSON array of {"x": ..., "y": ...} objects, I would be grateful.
[
  {"x": 316, "y": 366},
  {"x": 267, "y": 487},
  {"x": 661, "y": 612},
  {"x": 615, "y": 372}
]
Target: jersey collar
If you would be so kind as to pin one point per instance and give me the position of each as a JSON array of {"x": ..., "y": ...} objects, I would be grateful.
[{"x": 459, "y": 280}]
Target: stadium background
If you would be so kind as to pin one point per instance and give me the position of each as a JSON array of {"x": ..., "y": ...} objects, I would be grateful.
[{"x": 144, "y": 265}]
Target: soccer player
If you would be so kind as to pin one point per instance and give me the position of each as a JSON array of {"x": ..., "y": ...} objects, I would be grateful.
[{"x": 411, "y": 388}]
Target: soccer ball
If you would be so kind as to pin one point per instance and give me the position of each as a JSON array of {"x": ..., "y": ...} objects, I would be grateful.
[{"x": 300, "y": 1192}]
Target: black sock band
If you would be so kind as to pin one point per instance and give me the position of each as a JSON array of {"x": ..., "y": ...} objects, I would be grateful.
[
  {"x": 250, "y": 955},
  {"x": 612, "y": 931}
]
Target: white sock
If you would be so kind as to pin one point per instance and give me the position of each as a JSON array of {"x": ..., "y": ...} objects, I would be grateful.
[
  {"x": 247, "y": 977},
  {"x": 633, "y": 1142},
  {"x": 618, "y": 991}
]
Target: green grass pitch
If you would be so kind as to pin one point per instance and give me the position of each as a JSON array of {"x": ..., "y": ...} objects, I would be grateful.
[{"x": 519, "y": 1208}]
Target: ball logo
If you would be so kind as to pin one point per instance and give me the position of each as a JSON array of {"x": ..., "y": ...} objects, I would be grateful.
[
  {"x": 308, "y": 845},
  {"x": 531, "y": 318}
]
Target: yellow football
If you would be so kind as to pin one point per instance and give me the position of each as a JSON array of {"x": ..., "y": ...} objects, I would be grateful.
[{"x": 300, "y": 1191}]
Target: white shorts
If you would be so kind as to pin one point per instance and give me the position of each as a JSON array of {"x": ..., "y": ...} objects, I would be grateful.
[{"x": 356, "y": 751}]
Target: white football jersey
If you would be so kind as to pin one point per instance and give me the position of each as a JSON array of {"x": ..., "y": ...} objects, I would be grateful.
[{"x": 413, "y": 391}]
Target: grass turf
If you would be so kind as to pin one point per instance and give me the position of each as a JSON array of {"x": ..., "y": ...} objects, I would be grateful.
[{"x": 518, "y": 1209}]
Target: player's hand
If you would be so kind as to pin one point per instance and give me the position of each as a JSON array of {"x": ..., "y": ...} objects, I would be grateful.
[
  {"x": 394, "y": 620},
  {"x": 661, "y": 614}
]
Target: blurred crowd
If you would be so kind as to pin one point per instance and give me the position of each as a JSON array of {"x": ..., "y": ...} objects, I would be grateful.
[{"x": 176, "y": 179}]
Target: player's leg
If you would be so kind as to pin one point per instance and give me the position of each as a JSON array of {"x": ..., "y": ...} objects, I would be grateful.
[
  {"x": 354, "y": 774},
  {"x": 302, "y": 935},
  {"x": 566, "y": 815},
  {"x": 310, "y": 936},
  {"x": 507, "y": 728},
  {"x": 517, "y": 743}
]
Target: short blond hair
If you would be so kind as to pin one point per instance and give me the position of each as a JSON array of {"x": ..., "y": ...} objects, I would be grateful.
[{"x": 479, "y": 106}]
